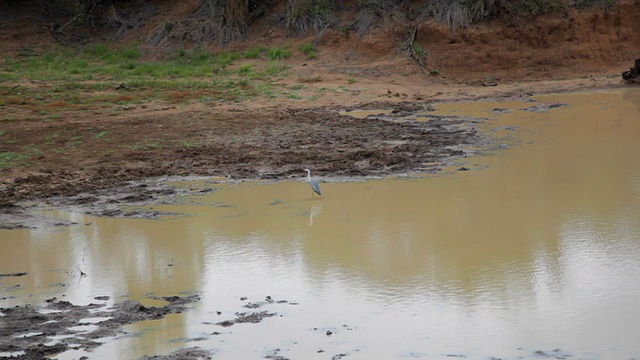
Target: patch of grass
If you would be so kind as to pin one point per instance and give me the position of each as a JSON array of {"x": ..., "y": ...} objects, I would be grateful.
[
  {"x": 245, "y": 69},
  {"x": 297, "y": 87},
  {"x": 100, "y": 50},
  {"x": 278, "y": 53},
  {"x": 74, "y": 141},
  {"x": 32, "y": 149},
  {"x": 201, "y": 56},
  {"x": 294, "y": 96},
  {"x": 351, "y": 80},
  {"x": 418, "y": 50},
  {"x": 131, "y": 53},
  {"x": 8, "y": 158},
  {"x": 2, "y": 132},
  {"x": 226, "y": 58},
  {"x": 146, "y": 145},
  {"x": 102, "y": 134},
  {"x": 253, "y": 53},
  {"x": 49, "y": 139},
  {"x": 308, "y": 49},
  {"x": 266, "y": 90},
  {"x": 275, "y": 69}
]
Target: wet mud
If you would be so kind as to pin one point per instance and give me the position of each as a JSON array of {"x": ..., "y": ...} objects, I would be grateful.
[
  {"x": 33, "y": 332},
  {"x": 41, "y": 332},
  {"x": 252, "y": 144}
]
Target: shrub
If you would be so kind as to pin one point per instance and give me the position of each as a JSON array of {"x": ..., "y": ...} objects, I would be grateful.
[
  {"x": 131, "y": 53},
  {"x": 100, "y": 50},
  {"x": 253, "y": 53},
  {"x": 303, "y": 15},
  {"x": 308, "y": 49},
  {"x": 225, "y": 58},
  {"x": 245, "y": 69},
  {"x": 278, "y": 53}
]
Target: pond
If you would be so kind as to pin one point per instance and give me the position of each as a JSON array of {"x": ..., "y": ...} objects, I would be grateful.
[{"x": 528, "y": 249}]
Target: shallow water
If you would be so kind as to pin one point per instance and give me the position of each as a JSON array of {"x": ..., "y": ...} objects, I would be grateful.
[{"x": 536, "y": 248}]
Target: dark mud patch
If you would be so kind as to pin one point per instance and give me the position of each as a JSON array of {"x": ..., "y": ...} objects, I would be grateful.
[
  {"x": 245, "y": 317},
  {"x": 543, "y": 108},
  {"x": 132, "y": 199},
  {"x": 13, "y": 274},
  {"x": 16, "y": 217},
  {"x": 32, "y": 332},
  {"x": 251, "y": 144},
  {"x": 121, "y": 201},
  {"x": 253, "y": 317},
  {"x": 193, "y": 353}
]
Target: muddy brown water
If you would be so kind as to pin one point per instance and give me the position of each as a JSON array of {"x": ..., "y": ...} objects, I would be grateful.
[{"x": 532, "y": 252}]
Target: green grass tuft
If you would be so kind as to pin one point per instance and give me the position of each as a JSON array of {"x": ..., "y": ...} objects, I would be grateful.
[
  {"x": 308, "y": 49},
  {"x": 253, "y": 53},
  {"x": 278, "y": 53}
]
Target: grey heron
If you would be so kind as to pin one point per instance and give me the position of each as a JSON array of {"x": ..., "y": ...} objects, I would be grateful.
[{"x": 313, "y": 183}]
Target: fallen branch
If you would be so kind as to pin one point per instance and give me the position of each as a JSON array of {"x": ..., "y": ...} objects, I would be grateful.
[{"x": 10, "y": 90}]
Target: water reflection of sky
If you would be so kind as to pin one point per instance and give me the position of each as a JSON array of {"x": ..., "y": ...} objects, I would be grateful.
[{"x": 538, "y": 250}]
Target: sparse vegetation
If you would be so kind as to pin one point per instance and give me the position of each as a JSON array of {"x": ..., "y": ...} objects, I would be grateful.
[
  {"x": 8, "y": 158},
  {"x": 308, "y": 49},
  {"x": 278, "y": 53},
  {"x": 146, "y": 145},
  {"x": 245, "y": 69},
  {"x": 100, "y": 68},
  {"x": 253, "y": 53},
  {"x": 275, "y": 69}
]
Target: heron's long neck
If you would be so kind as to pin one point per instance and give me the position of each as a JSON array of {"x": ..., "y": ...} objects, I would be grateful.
[{"x": 308, "y": 176}]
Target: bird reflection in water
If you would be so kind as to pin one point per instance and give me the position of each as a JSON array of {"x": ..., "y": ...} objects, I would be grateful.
[{"x": 314, "y": 211}]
